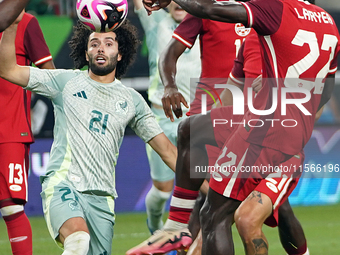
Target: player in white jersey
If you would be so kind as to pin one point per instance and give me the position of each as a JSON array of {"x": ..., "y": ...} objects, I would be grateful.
[
  {"x": 159, "y": 29},
  {"x": 92, "y": 109}
]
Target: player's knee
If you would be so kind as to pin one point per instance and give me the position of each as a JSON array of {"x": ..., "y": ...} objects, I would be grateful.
[
  {"x": 247, "y": 225},
  {"x": 77, "y": 243}
]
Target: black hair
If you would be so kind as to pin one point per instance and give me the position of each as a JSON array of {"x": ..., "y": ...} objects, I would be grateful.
[{"x": 127, "y": 46}]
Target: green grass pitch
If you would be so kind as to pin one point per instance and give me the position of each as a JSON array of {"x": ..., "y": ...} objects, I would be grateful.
[{"x": 321, "y": 225}]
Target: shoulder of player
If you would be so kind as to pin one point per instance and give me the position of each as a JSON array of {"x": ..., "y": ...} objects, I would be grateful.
[
  {"x": 136, "y": 97},
  {"x": 26, "y": 19},
  {"x": 66, "y": 74}
]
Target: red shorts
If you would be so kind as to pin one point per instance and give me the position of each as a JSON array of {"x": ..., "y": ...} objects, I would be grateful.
[
  {"x": 246, "y": 167},
  {"x": 14, "y": 165}
]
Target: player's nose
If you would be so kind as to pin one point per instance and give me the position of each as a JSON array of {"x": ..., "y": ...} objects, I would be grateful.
[{"x": 101, "y": 48}]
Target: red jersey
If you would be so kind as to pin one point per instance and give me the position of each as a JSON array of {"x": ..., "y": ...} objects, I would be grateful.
[
  {"x": 15, "y": 120},
  {"x": 219, "y": 43},
  {"x": 299, "y": 44},
  {"x": 247, "y": 65}
]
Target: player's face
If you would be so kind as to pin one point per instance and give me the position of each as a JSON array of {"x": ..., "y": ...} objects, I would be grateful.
[
  {"x": 102, "y": 53},
  {"x": 176, "y": 12}
]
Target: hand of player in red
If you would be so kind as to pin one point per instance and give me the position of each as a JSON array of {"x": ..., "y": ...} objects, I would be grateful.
[
  {"x": 171, "y": 101},
  {"x": 154, "y": 5}
]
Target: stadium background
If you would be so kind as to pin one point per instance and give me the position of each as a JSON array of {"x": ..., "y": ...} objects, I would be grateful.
[{"x": 56, "y": 19}]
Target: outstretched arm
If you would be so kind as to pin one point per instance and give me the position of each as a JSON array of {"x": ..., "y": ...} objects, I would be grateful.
[
  {"x": 9, "y": 69},
  {"x": 171, "y": 99},
  {"x": 165, "y": 149},
  {"x": 231, "y": 12},
  {"x": 9, "y": 11}
]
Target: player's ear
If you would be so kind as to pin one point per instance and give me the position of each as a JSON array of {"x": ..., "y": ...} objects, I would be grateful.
[
  {"x": 86, "y": 56},
  {"x": 119, "y": 57}
]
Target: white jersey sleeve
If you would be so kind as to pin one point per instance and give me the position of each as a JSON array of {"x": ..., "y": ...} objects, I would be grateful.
[{"x": 144, "y": 123}]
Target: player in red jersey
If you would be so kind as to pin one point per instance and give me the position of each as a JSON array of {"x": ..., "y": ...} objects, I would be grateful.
[
  {"x": 299, "y": 44},
  {"x": 9, "y": 11},
  {"x": 16, "y": 135},
  {"x": 215, "y": 36},
  {"x": 244, "y": 75}
]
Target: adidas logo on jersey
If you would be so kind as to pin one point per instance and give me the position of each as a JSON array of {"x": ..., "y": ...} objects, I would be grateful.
[{"x": 80, "y": 94}]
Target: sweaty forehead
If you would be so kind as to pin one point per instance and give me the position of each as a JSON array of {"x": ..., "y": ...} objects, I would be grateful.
[{"x": 102, "y": 36}]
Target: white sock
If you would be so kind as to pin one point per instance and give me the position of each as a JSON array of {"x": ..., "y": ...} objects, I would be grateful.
[
  {"x": 77, "y": 243},
  {"x": 174, "y": 225},
  {"x": 155, "y": 205}
]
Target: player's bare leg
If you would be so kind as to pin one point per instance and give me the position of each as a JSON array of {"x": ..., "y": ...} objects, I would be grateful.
[
  {"x": 291, "y": 233},
  {"x": 249, "y": 218},
  {"x": 217, "y": 217},
  {"x": 194, "y": 222}
]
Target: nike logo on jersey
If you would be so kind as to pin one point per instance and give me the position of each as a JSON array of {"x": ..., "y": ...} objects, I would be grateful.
[{"x": 80, "y": 94}]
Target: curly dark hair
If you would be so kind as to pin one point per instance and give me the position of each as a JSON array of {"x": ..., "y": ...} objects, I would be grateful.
[{"x": 127, "y": 46}]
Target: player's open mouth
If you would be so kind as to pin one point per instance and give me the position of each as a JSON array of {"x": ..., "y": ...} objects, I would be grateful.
[{"x": 100, "y": 60}]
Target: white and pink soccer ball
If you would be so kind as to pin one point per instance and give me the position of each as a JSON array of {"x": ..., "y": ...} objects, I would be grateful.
[{"x": 102, "y": 15}]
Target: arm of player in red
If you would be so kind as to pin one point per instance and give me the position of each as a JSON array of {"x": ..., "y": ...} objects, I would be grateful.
[
  {"x": 172, "y": 98},
  {"x": 9, "y": 11}
]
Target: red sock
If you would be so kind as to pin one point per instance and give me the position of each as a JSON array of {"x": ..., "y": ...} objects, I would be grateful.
[
  {"x": 182, "y": 203},
  {"x": 19, "y": 233}
]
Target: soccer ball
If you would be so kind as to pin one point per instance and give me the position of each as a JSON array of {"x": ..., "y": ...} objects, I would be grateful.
[{"x": 102, "y": 15}]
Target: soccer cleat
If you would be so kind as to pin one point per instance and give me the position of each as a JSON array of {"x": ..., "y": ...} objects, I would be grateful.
[{"x": 163, "y": 241}]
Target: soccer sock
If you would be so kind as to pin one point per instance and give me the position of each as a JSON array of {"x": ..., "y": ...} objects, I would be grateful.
[
  {"x": 77, "y": 243},
  {"x": 155, "y": 205},
  {"x": 181, "y": 206},
  {"x": 303, "y": 250},
  {"x": 19, "y": 233}
]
